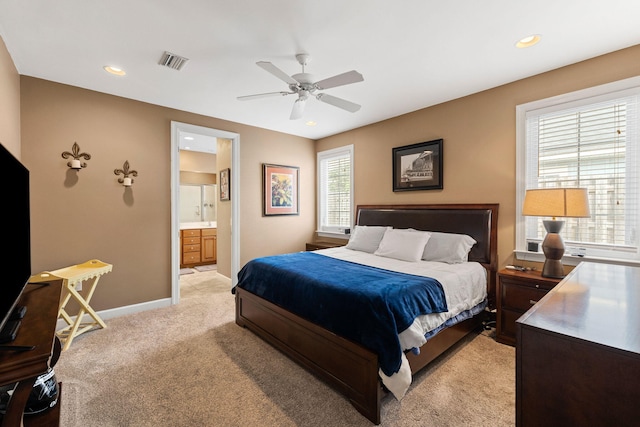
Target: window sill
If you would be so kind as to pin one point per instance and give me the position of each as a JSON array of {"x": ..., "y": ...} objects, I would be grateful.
[
  {"x": 333, "y": 235},
  {"x": 573, "y": 260}
]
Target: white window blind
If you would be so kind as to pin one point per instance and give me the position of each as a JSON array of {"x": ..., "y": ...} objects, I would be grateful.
[
  {"x": 590, "y": 143},
  {"x": 335, "y": 189}
]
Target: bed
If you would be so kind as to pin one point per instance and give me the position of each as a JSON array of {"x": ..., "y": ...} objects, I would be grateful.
[{"x": 349, "y": 366}]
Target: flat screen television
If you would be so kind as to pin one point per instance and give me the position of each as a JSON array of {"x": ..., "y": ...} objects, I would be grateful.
[{"x": 16, "y": 260}]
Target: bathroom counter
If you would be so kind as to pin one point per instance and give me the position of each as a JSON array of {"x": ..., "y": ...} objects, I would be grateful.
[{"x": 192, "y": 225}]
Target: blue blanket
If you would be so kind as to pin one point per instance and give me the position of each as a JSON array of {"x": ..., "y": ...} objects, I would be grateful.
[{"x": 367, "y": 305}]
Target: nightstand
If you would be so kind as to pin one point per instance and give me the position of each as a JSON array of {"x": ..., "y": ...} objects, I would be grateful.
[
  {"x": 313, "y": 246},
  {"x": 517, "y": 292}
]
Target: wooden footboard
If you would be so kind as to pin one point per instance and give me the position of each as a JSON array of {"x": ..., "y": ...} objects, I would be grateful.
[
  {"x": 441, "y": 342},
  {"x": 347, "y": 366}
]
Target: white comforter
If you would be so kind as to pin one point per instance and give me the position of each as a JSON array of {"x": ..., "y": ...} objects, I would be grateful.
[{"x": 465, "y": 286}]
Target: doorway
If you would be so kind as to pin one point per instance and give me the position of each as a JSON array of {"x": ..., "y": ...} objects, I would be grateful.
[{"x": 179, "y": 130}]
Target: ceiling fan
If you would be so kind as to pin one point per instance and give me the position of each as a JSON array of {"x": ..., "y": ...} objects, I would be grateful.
[{"x": 304, "y": 86}]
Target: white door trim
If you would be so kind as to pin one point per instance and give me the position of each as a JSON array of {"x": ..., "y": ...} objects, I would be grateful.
[{"x": 176, "y": 129}]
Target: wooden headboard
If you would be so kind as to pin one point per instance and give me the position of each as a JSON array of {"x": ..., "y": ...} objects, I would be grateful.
[{"x": 479, "y": 221}]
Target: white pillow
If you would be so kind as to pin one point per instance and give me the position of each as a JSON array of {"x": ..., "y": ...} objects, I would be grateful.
[
  {"x": 448, "y": 247},
  {"x": 403, "y": 244},
  {"x": 366, "y": 238}
]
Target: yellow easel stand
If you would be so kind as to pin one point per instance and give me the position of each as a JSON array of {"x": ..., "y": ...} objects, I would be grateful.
[{"x": 73, "y": 277}]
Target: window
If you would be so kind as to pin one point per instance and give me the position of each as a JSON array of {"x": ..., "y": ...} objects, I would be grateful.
[
  {"x": 335, "y": 189},
  {"x": 587, "y": 139}
]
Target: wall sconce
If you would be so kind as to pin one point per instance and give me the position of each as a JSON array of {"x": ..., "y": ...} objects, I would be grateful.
[
  {"x": 125, "y": 180},
  {"x": 76, "y": 154}
]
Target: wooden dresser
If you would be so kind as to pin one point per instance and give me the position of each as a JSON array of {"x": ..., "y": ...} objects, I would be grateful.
[{"x": 578, "y": 351}]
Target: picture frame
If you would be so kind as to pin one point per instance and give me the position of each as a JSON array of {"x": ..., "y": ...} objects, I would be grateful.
[
  {"x": 225, "y": 184},
  {"x": 280, "y": 190},
  {"x": 418, "y": 166}
]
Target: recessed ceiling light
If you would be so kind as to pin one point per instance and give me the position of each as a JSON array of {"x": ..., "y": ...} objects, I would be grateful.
[
  {"x": 311, "y": 123},
  {"x": 188, "y": 138},
  {"x": 528, "y": 41},
  {"x": 114, "y": 70}
]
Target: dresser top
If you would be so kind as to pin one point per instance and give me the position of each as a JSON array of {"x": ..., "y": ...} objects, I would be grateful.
[{"x": 596, "y": 302}]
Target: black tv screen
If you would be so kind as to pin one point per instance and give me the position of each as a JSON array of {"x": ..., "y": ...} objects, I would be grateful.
[{"x": 16, "y": 260}]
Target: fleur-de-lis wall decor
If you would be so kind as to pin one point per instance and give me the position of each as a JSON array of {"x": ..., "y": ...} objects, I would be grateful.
[
  {"x": 75, "y": 163},
  {"x": 125, "y": 180}
]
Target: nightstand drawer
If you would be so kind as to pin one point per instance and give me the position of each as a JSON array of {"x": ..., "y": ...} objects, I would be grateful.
[
  {"x": 520, "y": 297},
  {"x": 530, "y": 279}
]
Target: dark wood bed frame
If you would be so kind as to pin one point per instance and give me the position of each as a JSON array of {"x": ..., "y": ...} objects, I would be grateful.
[{"x": 350, "y": 367}]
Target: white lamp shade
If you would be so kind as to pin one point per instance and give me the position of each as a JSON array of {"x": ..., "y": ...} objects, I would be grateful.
[{"x": 557, "y": 202}]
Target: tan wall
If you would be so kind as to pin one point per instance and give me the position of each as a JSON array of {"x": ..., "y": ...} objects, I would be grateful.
[
  {"x": 197, "y": 178},
  {"x": 195, "y": 161},
  {"x": 479, "y": 141},
  {"x": 9, "y": 103},
  {"x": 274, "y": 234},
  {"x": 81, "y": 215}
]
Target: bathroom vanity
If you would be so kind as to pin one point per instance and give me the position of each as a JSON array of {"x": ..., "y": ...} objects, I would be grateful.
[{"x": 198, "y": 245}]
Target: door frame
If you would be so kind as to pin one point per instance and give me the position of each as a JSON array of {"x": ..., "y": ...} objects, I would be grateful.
[{"x": 176, "y": 129}]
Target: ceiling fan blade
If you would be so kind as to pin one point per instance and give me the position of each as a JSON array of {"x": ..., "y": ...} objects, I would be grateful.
[
  {"x": 298, "y": 108},
  {"x": 268, "y": 66},
  {"x": 340, "y": 80},
  {"x": 263, "y": 95},
  {"x": 338, "y": 102}
]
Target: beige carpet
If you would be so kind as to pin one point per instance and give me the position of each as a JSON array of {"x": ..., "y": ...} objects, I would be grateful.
[{"x": 191, "y": 365}]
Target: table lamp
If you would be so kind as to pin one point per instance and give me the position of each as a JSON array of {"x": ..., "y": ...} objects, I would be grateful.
[{"x": 555, "y": 202}]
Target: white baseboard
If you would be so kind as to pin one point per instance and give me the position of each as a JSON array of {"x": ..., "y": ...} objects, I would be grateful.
[{"x": 121, "y": 311}]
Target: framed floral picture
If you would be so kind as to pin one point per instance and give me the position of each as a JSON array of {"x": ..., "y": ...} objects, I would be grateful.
[
  {"x": 418, "y": 166},
  {"x": 280, "y": 190}
]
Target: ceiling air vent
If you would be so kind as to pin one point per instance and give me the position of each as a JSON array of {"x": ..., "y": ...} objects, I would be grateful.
[{"x": 172, "y": 61}]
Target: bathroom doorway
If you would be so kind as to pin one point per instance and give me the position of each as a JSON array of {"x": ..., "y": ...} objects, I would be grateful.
[{"x": 226, "y": 212}]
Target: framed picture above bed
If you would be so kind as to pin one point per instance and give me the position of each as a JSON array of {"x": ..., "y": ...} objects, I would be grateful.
[
  {"x": 280, "y": 190},
  {"x": 418, "y": 166}
]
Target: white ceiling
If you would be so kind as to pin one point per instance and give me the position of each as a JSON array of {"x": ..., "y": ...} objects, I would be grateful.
[{"x": 412, "y": 53}]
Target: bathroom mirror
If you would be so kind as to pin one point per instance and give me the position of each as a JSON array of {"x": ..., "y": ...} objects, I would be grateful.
[{"x": 198, "y": 203}]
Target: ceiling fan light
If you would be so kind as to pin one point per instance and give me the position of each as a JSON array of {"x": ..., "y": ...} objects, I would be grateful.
[{"x": 298, "y": 108}]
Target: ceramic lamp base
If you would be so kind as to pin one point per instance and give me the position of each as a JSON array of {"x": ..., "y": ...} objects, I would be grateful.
[{"x": 553, "y": 248}]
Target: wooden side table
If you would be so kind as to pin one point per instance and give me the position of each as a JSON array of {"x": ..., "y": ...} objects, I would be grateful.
[
  {"x": 517, "y": 292},
  {"x": 73, "y": 277},
  {"x": 314, "y": 246},
  {"x": 23, "y": 367}
]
